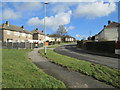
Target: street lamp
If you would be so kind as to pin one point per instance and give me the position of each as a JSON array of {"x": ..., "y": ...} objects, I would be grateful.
[{"x": 45, "y": 27}]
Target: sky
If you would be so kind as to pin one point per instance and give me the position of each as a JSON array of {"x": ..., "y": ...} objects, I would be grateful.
[{"x": 81, "y": 19}]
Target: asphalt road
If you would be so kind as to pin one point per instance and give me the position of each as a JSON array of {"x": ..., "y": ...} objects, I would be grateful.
[
  {"x": 73, "y": 51},
  {"x": 70, "y": 78}
]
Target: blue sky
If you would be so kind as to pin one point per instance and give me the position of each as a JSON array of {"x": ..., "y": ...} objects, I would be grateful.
[{"x": 79, "y": 18}]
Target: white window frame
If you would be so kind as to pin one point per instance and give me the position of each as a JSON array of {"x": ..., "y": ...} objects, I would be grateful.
[
  {"x": 8, "y": 32},
  {"x": 29, "y": 35},
  {"x": 23, "y": 34},
  {"x": 16, "y": 33}
]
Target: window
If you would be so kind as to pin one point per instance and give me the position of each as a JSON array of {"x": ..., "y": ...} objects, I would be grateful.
[
  {"x": 29, "y": 35},
  {"x": 16, "y": 33},
  {"x": 8, "y": 32},
  {"x": 23, "y": 34}
]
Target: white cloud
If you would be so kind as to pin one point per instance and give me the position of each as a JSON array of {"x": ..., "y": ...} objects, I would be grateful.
[
  {"x": 71, "y": 27},
  {"x": 80, "y": 36},
  {"x": 53, "y": 21},
  {"x": 28, "y": 6},
  {"x": 10, "y": 14},
  {"x": 19, "y": 10},
  {"x": 61, "y": 7},
  {"x": 96, "y": 9}
]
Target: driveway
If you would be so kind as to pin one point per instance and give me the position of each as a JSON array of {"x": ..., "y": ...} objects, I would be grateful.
[
  {"x": 73, "y": 51},
  {"x": 70, "y": 78}
]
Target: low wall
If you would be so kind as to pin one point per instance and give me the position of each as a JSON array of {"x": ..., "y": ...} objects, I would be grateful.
[{"x": 105, "y": 46}]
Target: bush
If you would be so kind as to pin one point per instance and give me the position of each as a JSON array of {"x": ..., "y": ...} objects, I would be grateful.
[{"x": 104, "y": 46}]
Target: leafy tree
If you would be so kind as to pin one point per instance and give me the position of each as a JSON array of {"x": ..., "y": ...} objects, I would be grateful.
[{"x": 61, "y": 30}]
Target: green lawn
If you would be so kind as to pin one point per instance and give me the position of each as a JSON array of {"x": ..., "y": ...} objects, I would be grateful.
[
  {"x": 20, "y": 72},
  {"x": 0, "y": 69},
  {"x": 99, "y": 72}
]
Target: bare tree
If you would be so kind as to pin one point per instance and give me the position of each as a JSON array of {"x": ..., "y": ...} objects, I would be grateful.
[{"x": 61, "y": 30}]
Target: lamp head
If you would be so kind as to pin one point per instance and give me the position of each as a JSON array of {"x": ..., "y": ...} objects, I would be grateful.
[{"x": 45, "y": 2}]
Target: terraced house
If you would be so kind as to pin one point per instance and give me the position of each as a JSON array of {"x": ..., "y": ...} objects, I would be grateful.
[
  {"x": 54, "y": 37},
  {"x": 38, "y": 35},
  {"x": 12, "y": 33}
]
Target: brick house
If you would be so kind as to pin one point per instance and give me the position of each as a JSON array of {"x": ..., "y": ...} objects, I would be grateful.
[{"x": 12, "y": 33}]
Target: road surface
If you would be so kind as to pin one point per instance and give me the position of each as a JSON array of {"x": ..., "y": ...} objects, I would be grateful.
[{"x": 73, "y": 51}]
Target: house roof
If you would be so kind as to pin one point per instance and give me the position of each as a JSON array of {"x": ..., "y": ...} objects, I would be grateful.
[
  {"x": 14, "y": 28},
  {"x": 67, "y": 36},
  {"x": 112, "y": 25},
  {"x": 54, "y": 35},
  {"x": 37, "y": 31}
]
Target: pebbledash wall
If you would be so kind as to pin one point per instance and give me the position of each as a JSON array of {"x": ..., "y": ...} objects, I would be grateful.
[
  {"x": 18, "y": 36},
  {"x": 109, "y": 34}
]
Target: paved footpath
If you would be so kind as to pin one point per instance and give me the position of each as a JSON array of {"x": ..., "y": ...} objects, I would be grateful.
[{"x": 70, "y": 78}]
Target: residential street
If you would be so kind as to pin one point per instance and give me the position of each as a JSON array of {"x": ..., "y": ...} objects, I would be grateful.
[
  {"x": 73, "y": 51},
  {"x": 70, "y": 78}
]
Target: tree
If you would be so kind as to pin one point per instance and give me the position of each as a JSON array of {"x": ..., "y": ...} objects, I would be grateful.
[{"x": 61, "y": 30}]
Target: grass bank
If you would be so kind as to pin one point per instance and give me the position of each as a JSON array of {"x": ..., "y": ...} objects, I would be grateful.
[
  {"x": 20, "y": 72},
  {"x": 99, "y": 72},
  {"x": 57, "y": 45}
]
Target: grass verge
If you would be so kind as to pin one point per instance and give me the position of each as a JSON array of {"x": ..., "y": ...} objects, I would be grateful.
[
  {"x": 99, "y": 72},
  {"x": 57, "y": 45},
  {"x": 20, "y": 72}
]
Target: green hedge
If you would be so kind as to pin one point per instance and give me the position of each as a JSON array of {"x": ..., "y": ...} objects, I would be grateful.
[{"x": 104, "y": 46}]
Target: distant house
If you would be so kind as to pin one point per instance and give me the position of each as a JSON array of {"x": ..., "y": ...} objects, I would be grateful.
[
  {"x": 109, "y": 32},
  {"x": 38, "y": 35},
  {"x": 12, "y": 33},
  {"x": 96, "y": 37},
  {"x": 68, "y": 38},
  {"x": 54, "y": 37}
]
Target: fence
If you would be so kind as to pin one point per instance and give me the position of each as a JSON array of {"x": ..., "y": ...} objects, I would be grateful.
[
  {"x": 105, "y": 46},
  {"x": 17, "y": 45}
]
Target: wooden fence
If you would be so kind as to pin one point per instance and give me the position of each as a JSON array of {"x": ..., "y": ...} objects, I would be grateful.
[{"x": 17, "y": 45}]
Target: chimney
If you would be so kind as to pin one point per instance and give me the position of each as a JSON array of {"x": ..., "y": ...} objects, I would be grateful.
[
  {"x": 104, "y": 26},
  {"x": 7, "y": 23},
  {"x": 36, "y": 28},
  {"x": 109, "y": 21},
  {"x": 22, "y": 27}
]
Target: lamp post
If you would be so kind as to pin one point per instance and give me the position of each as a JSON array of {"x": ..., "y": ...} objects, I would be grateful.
[{"x": 45, "y": 27}]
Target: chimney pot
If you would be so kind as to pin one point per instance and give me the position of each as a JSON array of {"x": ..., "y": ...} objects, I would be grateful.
[
  {"x": 109, "y": 21},
  {"x": 22, "y": 26},
  {"x": 7, "y": 23},
  {"x": 36, "y": 28},
  {"x": 104, "y": 26}
]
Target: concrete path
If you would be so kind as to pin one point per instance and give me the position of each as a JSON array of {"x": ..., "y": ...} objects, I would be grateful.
[
  {"x": 70, "y": 78},
  {"x": 74, "y": 52}
]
